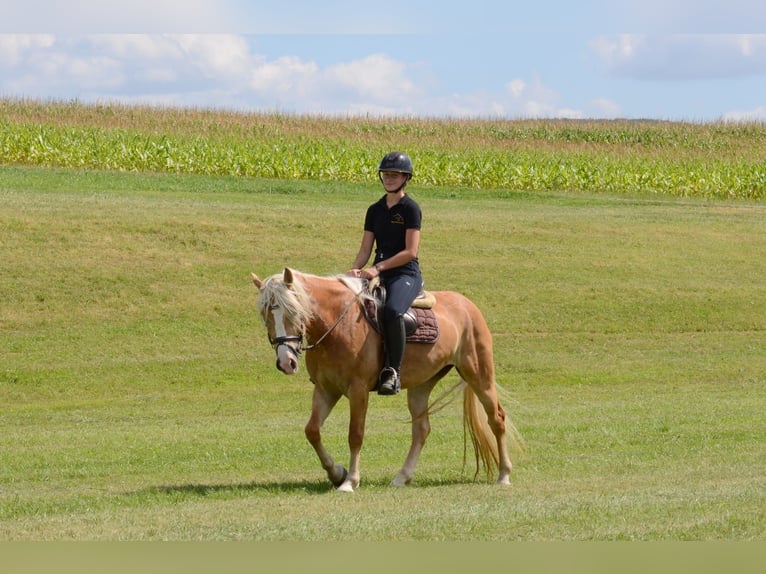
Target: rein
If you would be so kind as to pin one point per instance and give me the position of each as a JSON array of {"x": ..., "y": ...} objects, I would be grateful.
[
  {"x": 332, "y": 327},
  {"x": 278, "y": 341}
]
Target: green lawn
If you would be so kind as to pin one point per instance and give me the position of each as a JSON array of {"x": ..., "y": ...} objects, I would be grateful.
[{"x": 139, "y": 398}]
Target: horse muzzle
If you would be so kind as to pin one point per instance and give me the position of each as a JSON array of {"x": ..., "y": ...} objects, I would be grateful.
[{"x": 287, "y": 355}]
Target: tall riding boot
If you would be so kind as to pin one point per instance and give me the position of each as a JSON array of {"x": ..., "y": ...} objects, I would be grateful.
[{"x": 394, "y": 339}]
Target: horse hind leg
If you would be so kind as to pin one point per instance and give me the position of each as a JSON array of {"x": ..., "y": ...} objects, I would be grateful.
[
  {"x": 484, "y": 416},
  {"x": 417, "y": 403},
  {"x": 488, "y": 408}
]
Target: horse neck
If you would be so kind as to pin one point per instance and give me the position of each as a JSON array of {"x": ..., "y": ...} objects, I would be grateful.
[{"x": 329, "y": 297}]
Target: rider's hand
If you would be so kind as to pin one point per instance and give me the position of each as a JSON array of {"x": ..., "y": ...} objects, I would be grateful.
[{"x": 369, "y": 273}]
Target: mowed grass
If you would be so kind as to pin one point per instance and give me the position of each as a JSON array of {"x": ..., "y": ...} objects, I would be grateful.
[{"x": 139, "y": 398}]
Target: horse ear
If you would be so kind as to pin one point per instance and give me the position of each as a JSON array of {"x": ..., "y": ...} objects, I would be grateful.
[
  {"x": 288, "y": 276},
  {"x": 258, "y": 282}
]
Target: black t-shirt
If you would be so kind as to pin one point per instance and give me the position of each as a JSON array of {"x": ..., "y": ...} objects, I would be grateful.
[{"x": 390, "y": 229}]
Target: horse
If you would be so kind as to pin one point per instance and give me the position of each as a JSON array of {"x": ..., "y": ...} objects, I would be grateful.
[{"x": 325, "y": 317}]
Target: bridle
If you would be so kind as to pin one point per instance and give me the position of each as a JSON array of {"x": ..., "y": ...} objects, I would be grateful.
[{"x": 285, "y": 340}]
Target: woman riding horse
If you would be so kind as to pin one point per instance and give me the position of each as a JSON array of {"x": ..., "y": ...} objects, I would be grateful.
[
  {"x": 392, "y": 226},
  {"x": 325, "y": 316}
]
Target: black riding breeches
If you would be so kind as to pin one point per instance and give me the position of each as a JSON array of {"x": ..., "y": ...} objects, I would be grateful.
[{"x": 401, "y": 291}]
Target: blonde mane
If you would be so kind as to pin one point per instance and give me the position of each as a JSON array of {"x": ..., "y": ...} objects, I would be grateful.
[
  {"x": 361, "y": 287},
  {"x": 294, "y": 300}
]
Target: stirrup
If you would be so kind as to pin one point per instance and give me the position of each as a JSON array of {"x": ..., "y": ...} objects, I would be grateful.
[{"x": 388, "y": 381}]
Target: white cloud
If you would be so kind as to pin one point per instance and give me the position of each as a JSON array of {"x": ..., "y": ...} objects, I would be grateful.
[
  {"x": 14, "y": 46},
  {"x": 604, "y": 108},
  {"x": 377, "y": 77},
  {"x": 757, "y": 114},
  {"x": 45, "y": 66},
  {"x": 516, "y": 87},
  {"x": 616, "y": 49},
  {"x": 94, "y": 73},
  {"x": 520, "y": 99},
  {"x": 538, "y": 109},
  {"x": 220, "y": 70},
  {"x": 225, "y": 71},
  {"x": 141, "y": 47},
  {"x": 216, "y": 55},
  {"x": 682, "y": 57},
  {"x": 286, "y": 80},
  {"x": 534, "y": 99}
]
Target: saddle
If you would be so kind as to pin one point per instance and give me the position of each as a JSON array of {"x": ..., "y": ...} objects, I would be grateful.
[{"x": 420, "y": 324}]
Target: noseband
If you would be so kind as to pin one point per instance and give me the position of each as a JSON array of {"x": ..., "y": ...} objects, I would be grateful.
[{"x": 285, "y": 341}]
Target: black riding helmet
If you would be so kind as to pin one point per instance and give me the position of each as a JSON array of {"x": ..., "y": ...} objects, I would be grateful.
[{"x": 396, "y": 161}]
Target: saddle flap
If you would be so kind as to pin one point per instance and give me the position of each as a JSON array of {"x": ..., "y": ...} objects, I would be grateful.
[{"x": 420, "y": 323}]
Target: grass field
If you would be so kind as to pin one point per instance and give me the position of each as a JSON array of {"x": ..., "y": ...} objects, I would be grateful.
[{"x": 139, "y": 399}]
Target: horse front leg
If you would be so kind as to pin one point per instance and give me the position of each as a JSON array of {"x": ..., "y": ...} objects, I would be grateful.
[
  {"x": 358, "y": 397},
  {"x": 322, "y": 404}
]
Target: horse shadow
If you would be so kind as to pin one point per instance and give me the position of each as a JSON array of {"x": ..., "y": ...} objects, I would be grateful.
[
  {"x": 315, "y": 487},
  {"x": 268, "y": 487}
]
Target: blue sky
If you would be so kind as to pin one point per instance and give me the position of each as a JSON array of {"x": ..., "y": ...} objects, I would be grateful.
[{"x": 693, "y": 60}]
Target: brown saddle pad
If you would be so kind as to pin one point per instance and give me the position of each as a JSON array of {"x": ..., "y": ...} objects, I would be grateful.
[{"x": 427, "y": 330}]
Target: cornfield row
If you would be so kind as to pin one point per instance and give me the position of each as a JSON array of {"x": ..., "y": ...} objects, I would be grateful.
[{"x": 717, "y": 160}]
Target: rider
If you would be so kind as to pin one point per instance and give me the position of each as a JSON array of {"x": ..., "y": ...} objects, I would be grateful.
[{"x": 392, "y": 225}]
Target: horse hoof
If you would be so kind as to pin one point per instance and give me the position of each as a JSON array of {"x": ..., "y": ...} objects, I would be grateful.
[
  {"x": 401, "y": 481},
  {"x": 344, "y": 474},
  {"x": 345, "y": 487}
]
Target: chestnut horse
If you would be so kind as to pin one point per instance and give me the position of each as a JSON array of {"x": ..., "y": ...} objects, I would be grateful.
[{"x": 325, "y": 317}]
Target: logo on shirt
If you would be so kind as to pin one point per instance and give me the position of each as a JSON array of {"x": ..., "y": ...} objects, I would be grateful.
[{"x": 397, "y": 219}]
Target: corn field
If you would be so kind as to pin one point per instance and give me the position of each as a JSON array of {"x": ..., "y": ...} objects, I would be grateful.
[{"x": 711, "y": 160}]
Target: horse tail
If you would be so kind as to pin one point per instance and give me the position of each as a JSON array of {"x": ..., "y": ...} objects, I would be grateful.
[{"x": 482, "y": 438}]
